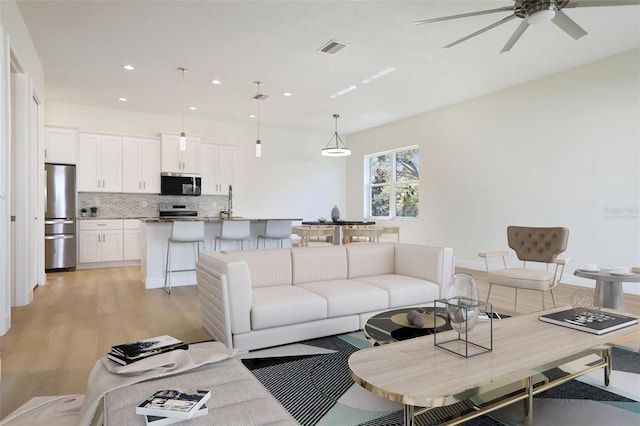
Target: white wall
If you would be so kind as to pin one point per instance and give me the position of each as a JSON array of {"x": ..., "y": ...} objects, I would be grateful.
[
  {"x": 291, "y": 179},
  {"x": 17, "y": 46},
  {"x": 560, "y": 151}
]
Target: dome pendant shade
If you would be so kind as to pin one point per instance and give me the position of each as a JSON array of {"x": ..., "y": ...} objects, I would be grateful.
[{"x": 337, "y": 148}]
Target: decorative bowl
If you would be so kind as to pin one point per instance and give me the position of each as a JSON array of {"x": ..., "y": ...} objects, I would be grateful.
[{"x": 322, "y": 219}]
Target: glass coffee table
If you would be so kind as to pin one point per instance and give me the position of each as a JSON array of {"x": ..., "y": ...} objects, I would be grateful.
[{"x": 392, "y": 326}]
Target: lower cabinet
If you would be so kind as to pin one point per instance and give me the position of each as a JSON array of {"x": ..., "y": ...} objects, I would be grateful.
[
  {"x": 100, "y": 240},
  {"x": 132, "y": 239}
]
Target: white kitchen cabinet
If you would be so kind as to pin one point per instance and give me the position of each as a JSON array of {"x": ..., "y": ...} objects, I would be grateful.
[
  {"x": 177, "y": 161},
  {"x": 217, "y": 168},
  {"x": 100, "y": 240},
  {"x": 100, "y": 165},
  {"x": 132, "y": 237},
  {"x": 61, "y": 144},
  {"x": 141, "y": 165}
]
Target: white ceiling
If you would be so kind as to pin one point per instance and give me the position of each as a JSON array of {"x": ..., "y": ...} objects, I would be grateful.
[{"x": 84, "y": 44}]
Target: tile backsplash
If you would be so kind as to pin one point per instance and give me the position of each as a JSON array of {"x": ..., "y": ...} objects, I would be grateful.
[{"x": 119, "y": 205}]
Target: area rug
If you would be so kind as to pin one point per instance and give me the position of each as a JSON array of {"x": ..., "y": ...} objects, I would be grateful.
[{"x": 318, "y": 390}]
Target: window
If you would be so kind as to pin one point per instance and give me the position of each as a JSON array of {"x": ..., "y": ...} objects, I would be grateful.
[{"x": 392, "y": 184}]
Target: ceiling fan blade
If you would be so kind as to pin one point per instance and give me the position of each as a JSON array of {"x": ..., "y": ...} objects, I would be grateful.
[
  {"x": 500, "y": 22},
  {"x": 568, "y": 25},
  {"x": 516, "y": 36},
  {"x": 603, "y": 3},
  {"x": 465, "y": 15}
]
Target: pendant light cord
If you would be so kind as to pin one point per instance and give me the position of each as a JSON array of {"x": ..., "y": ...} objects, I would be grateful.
[
  {"x": 258, "y": 99},
  {"x": 183, "y": 70}
]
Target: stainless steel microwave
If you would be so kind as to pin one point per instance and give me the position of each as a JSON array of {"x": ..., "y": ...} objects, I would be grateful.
[{"x": 180, "y": 184}]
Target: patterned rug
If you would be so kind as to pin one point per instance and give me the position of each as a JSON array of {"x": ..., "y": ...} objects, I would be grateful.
[{"x": 318, "y": 390}]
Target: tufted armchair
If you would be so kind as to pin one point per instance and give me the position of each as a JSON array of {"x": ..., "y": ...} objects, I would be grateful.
[{"x": 538, "y": 245}]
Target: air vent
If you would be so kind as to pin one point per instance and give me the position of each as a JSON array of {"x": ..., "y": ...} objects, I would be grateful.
[
  {"x": 260, "y": 96},
  {"x": 332, "y": 47}
]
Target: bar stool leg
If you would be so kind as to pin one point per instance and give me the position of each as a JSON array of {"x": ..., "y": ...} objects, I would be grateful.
[{"x": 167, "y": 270}]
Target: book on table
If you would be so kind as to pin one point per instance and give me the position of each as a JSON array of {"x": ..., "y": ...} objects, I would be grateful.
[
  {"x": 163, "y": 421},
  {"x": 127, "y": 353},
  {"x": 596, "y": 322},
  {"x": 181, "y": 404}
]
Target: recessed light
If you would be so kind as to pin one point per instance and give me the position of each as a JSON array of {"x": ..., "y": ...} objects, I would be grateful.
[
  {"x": 122, "y": 99},
  {"x": 287, "y": 94},
  {"x": 216, "y": 82},
  {"x": 252, "y": 116},
  {"x": 192, "y": 108},
  {"x": 128, "y": 67}
]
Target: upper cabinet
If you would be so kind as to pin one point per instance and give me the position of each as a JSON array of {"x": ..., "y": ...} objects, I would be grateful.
[
  {"x": 179, "y": 161},
  {"x": 60, "y": 145},
  {"x": 217, "y": 168},
  {"x": 100, "y": 163},
  {"x": 141, "y": 165}
]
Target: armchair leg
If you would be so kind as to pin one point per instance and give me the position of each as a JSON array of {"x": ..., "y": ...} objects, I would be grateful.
[
  {"x": 515, "y": 305},
  {"x": 553, "y": 298},
  {"x": 489, "y": 294},
  {"x": 542, "y": 293}
]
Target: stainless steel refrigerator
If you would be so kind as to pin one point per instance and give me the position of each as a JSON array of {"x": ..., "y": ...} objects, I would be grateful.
[{"x": 60, "y": 218}]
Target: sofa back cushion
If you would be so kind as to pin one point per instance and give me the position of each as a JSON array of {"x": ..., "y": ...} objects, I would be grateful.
[
  {"x": 417, "y": 261},
  {"x": 267, "y": 267},
  {"x": 311, "y": 264},
  {"x": 366, "y": 260}
]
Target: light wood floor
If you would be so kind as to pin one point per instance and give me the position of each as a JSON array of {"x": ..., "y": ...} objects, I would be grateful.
[{"x": 77, "y": 316}]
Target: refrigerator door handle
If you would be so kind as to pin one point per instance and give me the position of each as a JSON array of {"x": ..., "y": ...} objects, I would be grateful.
[
  {"x": 46, "y": 195},
  {"x": 59, "y": 237}
]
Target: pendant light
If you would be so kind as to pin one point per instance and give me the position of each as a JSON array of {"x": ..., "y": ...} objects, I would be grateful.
[
  {"x": 183, "y": 136},
  {"x": 339, "y": 149},
  {"x": 258, "y": 142}
]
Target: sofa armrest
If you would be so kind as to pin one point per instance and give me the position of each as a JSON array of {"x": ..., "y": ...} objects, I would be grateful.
[
  {"x": 214, "y": 304},
  {"x": 435, "y": 264},
  {"x": 237, "y": 280}
]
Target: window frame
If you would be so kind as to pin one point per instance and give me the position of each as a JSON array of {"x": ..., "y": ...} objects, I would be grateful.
[{"x": 393, "y": 184}]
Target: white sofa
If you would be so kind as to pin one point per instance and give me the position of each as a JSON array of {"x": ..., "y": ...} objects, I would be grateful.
[{"x": 262, "y": 298}]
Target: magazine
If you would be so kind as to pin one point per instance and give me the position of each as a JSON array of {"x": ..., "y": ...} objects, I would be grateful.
[
  {"x": 174, "y": 403},
  {"x": 127, "y": 353},
  {"x": 596, "y": 322},
  {"x": 162, "y": 421}
]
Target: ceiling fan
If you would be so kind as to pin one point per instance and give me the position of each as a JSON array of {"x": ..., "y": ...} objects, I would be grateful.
[{"x": 534, "y": 12}]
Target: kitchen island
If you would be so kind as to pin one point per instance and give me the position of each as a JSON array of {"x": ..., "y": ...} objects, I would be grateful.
[{"x": 156, "y": 232}]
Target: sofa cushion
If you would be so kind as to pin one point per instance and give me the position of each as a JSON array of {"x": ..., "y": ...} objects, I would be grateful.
[
  {"x": 424, "y": 262},
  {"x": 312, "y": 264},
  {"x": 347, "y": 297},
  {"x": 267, "y": 267},
  {"x": 284, "y": 305},
  {"x": 370, "y": 259},
  {"x": 404, "y": 290},
  {"x": 532, "y": 279}
]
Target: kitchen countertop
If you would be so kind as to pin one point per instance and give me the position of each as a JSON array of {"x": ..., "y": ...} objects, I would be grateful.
[
  {"x": 184, "y": 218},
  {"x": 206, "y": 219}
]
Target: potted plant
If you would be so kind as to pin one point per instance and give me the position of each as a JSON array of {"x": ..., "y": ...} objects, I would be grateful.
[
  {"x": 83, "y": 212},
  {"x": 94, "y": 211}
]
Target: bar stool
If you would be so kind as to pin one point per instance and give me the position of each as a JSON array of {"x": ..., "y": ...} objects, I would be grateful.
[
  {"x": 234, "y": 230},
  {"x": 182, "y": 232},
  {"x": 279, "y": 230}
]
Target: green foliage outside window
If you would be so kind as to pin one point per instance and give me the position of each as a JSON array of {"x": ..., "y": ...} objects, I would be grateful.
[{"x": 394, "y": 175}]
